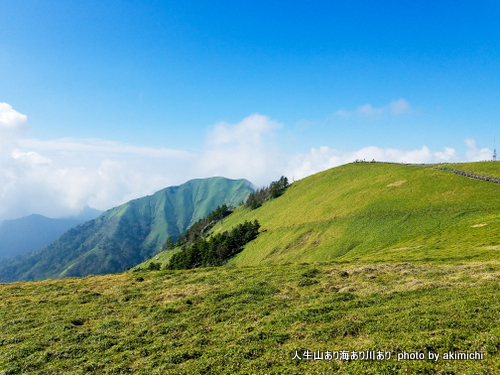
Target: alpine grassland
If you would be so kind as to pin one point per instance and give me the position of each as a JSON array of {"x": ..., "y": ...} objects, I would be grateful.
[
  {"x": 374, "y": 212},
  {"x": 253, "y": 320},
  {"x": 367, "y": 258}
]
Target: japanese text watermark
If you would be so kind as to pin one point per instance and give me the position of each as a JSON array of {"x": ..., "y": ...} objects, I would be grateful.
[{"x": 379, "y": 355}]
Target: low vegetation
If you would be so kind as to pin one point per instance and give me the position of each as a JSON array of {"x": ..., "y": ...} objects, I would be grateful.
[
  {"x": 252, "y": 320},
  {"x": 485, "y": 168},
  {"x": 371, "y": 212},
  {"x": 366, "y": 257}
]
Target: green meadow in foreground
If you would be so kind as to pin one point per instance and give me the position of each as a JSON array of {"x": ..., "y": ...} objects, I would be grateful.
[
  {"x": 366, "y": 257},
  {"x": 252, "y": 320}
]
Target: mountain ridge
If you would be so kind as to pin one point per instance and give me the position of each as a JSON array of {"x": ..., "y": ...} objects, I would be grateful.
[
  {"x": 127, "y": 234},
  {"x": 42, "y": 231}
]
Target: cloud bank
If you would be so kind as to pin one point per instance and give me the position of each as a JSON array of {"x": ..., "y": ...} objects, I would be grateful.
[
  {"x": 60, "y": 177},
  {"x": 247, "y": 149}
]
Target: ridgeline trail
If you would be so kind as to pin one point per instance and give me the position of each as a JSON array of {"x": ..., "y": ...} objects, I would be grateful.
[{"x": 484, "y": 178}]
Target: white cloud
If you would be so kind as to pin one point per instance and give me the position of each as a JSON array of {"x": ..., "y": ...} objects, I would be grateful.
[
  {"x": 12, "y": 120},
  {"x": 448, "y": 155},
  {"x": 13, "y": 127},
  {"x": 474, "y": 153},
  {"x": 97, "y": 146},
  {"x": 244, "y": 150},
  {"x": 398, "y": 107},
  {"x": 343, "y": 113},
  {"x": 60, "y": 177},
  {"x": 31, "y": 158},
  {"x": 394, "y": 108},
  {"x": 368, "y": 109}
]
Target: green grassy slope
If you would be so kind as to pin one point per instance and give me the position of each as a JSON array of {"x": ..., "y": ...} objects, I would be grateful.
[
  {"x": 128, "y": 234},
  {"x": 251, "y": 320},
  {"x": 375, "y": 212},
  {"x": 378, "y": 212},
  {"x": 364, "y": 257}
]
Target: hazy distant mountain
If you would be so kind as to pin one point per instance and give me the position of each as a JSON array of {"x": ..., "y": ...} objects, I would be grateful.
[
  {"x": 32, "y": 232},
  {"x": 128, "y": 234}
]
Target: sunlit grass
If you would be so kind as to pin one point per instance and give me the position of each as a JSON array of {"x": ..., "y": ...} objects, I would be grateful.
[
  {"x": 369, "y": 212},
  {"x": 240, "y": 320},
  {"x": 362, "y": 212},
  {"x": 360, "y": 257}
]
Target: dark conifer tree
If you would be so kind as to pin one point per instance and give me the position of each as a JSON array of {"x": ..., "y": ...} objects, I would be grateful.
[{"x": 170, "y": 244}]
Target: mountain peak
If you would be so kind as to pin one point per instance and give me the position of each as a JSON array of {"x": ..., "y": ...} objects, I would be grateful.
[{"x": 128, "y": 234}]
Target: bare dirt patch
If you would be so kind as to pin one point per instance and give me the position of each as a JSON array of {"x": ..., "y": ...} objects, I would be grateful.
[
  {"x": 478, "y": 225},
  {"x": 492, "y": 247},
  {"x": 397, "y": 183}
]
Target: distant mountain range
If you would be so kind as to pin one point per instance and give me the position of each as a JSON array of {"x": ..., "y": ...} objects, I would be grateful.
[
  {"x": 126, "y": 235},
  {"x": 32, "y": 232}
]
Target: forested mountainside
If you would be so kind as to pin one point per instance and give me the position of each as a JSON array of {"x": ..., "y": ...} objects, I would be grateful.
[{"x": 128, "y": 234}]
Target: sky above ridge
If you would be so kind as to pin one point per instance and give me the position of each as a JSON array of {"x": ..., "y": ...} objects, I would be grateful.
[{"x": 105, "y": 101}]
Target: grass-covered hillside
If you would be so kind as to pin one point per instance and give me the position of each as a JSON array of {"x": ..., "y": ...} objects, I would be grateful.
[
  {"x": 361, "y": 258},
  {"x": 372, "y": 212},
  {"x": 252, "y": 320},
  {"x": 128, "y": 234}
]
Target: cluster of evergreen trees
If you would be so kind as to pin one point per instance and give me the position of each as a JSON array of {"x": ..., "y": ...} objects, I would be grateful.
[
  {"x": 274, "y": 190},
  {"x": 218, "y": 248}
]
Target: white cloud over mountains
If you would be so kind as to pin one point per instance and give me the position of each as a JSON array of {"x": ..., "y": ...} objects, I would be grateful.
[
  {"x": 60, "y": 177},
  {"x": 247, "y": 149}
]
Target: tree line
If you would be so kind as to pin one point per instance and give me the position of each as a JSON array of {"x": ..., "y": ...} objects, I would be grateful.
[
  {"x": 199, "y": 228},
  {"x": 274, "y": 190},
  {"x": 217, "y": 249}
]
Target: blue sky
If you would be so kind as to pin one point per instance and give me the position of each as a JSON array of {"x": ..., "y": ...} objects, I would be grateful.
[{"x": 123, "y": 98}]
